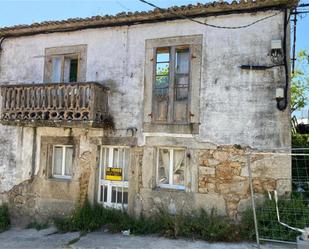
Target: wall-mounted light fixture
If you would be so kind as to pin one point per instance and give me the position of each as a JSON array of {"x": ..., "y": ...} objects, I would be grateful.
[{"x": 279, "y": 95}]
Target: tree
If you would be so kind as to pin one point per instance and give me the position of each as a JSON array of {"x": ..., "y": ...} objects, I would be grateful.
[{"x": 300, "y": 82}]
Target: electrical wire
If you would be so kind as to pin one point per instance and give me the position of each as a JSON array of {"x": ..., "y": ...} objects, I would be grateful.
[{"x": 207, "y": 24}]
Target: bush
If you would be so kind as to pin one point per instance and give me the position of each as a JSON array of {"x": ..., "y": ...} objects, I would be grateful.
[{"x": 4, "y": 218}]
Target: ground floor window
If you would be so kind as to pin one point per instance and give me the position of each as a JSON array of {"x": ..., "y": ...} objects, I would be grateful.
[
  {"x": 114, "y": 176},
  {"x": 62, "y": 161},
  {"x": 170, "y": 167}
]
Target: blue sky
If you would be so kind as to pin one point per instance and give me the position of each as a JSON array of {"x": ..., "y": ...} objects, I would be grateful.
[{"x": 13, "y": 12}]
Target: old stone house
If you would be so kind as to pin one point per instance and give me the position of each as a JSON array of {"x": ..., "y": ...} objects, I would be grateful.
[{"x": 145, "y": 109}]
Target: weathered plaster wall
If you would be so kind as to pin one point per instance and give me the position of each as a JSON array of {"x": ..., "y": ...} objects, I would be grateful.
[
  {"x": 44, "y": 197},
  {"x": 241, "y": 103},
  {"x": 236, "y": 107}
]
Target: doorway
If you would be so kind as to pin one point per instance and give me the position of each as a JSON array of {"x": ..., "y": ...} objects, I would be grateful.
[{"x": 114, "y": 176}]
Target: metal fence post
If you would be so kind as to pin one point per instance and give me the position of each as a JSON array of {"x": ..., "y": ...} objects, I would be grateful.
[{"x": 253, "y": 202}]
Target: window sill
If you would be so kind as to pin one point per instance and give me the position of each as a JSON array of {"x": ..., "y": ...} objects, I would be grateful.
[
  {"x": 60, "y": 178},
  {"x": 170, "y": 187},
  {"x": 192, "y": 128}
]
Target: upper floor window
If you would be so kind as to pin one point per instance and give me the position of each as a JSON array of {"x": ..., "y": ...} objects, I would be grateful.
[
  {"x": 172, "y": 84},
  {"x": 65, "y": 64},
  {"x": 64, "y": 68}
]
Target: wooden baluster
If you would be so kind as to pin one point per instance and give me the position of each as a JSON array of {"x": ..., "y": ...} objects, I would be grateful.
[
  {"x": 66, "y": 97},
  {"x": 22, "y": 103},
  {"x": 13, "y": 99},
  {"x": 77, "y": 98},
  {"x": 38, "y": 98},
  {"x": 28, "y": 98},
  {"x": 43, "y": 98},
  {"x": 33, "y": 99},
  {"x": 54, "y": 94},
  {"x": 49, "y": 98},
  {"x": 59, "y": 96},
  {"x": 72, "y": 93},
  {"x": 8, "y": 99},
  {"x": 18, "y": 98},
  {"x": 91, "y": 101},
  {"x": 4, "y": 98}
]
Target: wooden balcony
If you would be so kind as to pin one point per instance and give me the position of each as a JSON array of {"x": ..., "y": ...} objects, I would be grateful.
[{"x": 55, "y": 105}]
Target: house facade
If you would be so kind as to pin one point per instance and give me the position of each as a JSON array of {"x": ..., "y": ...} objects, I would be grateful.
[{"x": 145, "y": 110}]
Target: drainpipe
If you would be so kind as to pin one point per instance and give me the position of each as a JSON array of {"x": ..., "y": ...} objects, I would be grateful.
[{"x": 282, "y": 106}]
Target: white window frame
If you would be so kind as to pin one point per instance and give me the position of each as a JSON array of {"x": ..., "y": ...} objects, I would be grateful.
[
  {"x": 170, "y": 185},
  {"x": 63, "y": 175},
  {"x": 124, "y": 184}
]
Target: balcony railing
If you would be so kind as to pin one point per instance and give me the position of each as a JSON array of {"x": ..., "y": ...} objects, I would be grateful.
[{"x": 57, "y": 104}]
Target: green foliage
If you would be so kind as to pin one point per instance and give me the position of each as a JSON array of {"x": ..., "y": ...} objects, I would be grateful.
[
  {"x": 300, "y": 140},
  {"x": 293, "y": 211},
  {"x": 37, "y": 225},
  {"x": 4, "y": 218},
  {"x": 246, "y": 227},
  {"x": 300, "y": 82},
  {"x": 210, "y": 227},
  {"x": 197, "y": 225},
  {"x": 300, "y": 164}
]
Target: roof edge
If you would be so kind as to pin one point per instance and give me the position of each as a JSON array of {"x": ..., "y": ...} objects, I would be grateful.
[{"x": 156, "y": 15}]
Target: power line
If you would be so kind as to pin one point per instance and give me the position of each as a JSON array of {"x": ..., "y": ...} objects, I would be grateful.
[
  {"x": 207, "y": 24},
  {"x": 122, "y": 6}
]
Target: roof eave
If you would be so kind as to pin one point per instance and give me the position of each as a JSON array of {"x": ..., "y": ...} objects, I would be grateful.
[{"x": 146, "y": 17}]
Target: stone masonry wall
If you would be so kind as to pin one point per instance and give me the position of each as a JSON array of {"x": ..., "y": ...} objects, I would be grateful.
[{"x": 224, "y": 171}]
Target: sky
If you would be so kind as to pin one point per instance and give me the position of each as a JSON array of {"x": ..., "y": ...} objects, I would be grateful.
[{"x": 14, "y": 12}]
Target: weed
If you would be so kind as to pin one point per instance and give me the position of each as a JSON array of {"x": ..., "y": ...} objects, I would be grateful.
[
  {"x": 197, "y": 225},
  {"x": 37, "y": 225},
  {"x": 5, "y": 222},
  {"x": 73, "y": 241}
]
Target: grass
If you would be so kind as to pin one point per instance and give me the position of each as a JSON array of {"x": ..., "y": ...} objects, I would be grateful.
[{"x": 5, "y": 222}]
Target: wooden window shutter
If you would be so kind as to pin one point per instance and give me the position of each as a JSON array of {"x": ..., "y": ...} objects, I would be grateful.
[
  {"x": 196, "y": 64},
  {"x": 148, "y": 84}
]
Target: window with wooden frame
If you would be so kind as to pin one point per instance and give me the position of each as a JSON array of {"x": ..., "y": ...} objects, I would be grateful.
[
  {"x": 171, "y": 168},
  {"x": 65, "y": 64},
  {"x": 171, "y": 84},
  {"x": 173, "y": 67},
  {"x": 64, "y": 68},
  {"x": 62, "y": 161}
]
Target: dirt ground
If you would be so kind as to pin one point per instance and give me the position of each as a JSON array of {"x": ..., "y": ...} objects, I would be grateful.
[{"x": 50, "y": 239}]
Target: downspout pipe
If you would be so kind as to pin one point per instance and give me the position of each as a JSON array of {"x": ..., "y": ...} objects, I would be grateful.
[{"x": 282, "y": 106}]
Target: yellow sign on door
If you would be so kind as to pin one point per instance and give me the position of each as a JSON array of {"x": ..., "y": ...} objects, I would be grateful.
[{"x": 113, "y": 174}]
